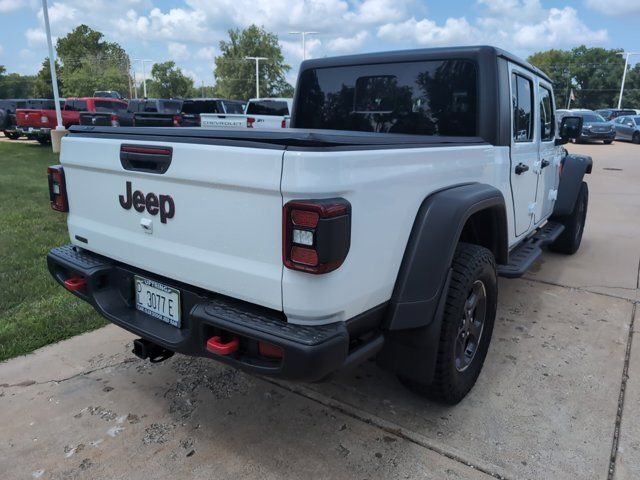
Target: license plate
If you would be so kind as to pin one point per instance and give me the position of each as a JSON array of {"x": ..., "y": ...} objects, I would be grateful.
[{"x": 158, "y": 300}]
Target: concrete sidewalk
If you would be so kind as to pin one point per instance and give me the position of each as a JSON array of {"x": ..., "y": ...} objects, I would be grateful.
[{"x": 551, "y": 402}]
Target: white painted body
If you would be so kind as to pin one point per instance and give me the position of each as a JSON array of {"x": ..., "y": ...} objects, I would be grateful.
[{"x": 226, "y": 235}]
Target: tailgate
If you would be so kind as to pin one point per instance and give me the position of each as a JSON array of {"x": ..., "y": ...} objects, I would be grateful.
[
  {"x": 212, "y": 120},
  {"x": 215, "y": 222},
  {"x": 95, "y": 118},
  {"x": 153, "y": 120}
]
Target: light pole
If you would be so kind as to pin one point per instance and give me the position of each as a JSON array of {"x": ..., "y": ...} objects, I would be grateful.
[
  {"x": 624, "y": 74},
  {"x": 257, "y": 60},
  {"x": 52, "y": 66},
  {"x": 144, "y": 76},
  {"x": 304, "y": 41}
]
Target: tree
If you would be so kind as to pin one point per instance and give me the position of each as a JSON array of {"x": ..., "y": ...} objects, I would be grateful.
[
  {"x": 89, "y": 63},
  {"x": 168, "y": 81},
  {"x": 42, "y": 84},
  {"x": 236, "y": 77},
  {"x": 593, "y": 73}
]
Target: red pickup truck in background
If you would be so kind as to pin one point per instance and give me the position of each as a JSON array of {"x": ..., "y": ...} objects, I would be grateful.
[{"x": 36, "y": 124}]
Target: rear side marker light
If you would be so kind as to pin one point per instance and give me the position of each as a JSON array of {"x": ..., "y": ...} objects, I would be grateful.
[
  {"x": 57, "y": 189},
  {"x": 74, "y": 284},
  {"x": 316, "y": 234},
  {"x": 269, "y": 351},
  {"x": 217, "y": 346}
]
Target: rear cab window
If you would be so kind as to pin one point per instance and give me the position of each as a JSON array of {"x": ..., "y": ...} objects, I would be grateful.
[
  {"x": 435, "y": 97},
  {"x": 268, "y": 107},
  {"x": 169, "y": 106},
  {"x": 197, "y": 107},
  {"x": 109, "y": 106}
]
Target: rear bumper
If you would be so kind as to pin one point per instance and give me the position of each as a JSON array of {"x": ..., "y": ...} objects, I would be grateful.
[
  {"x": 309, "y": 353},
  {"x": 34, "y": 132}
]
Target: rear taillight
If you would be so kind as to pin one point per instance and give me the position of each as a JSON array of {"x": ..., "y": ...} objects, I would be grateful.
[
  {"x": 115, "y": 121},
  {"x": 250, "y": 122},
  {"x": 177, "y": 120},
  {"x": 316, "y": 234},
  {"x": 57, "y": 189},
  {"x": 283, "y": 124}
]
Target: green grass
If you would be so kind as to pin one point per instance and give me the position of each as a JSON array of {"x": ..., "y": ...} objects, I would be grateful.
[{"x": 34, "y": 310}]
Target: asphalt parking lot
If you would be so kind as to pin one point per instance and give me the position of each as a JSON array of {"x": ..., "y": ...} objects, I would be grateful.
[{"x": 557, "y": 398}]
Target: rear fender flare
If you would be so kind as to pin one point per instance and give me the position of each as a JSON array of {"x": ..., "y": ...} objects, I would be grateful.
[
  {"x": 574, "y": 167},
  {"x": 431, "y": 246}
]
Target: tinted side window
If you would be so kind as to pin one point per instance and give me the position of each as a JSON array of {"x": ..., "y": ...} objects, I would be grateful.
[
  {"x": 107, "y": 106},
  {"x": 522, "y": 102},
  {"x": 436, "y": 97},
  {"x": 268, "y": 107},
  {"x": 150, "y": 107},
  {"x": 547, "y": 123}
]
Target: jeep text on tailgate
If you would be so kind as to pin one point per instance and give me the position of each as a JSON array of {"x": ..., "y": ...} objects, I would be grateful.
[{"x": 376, "y": 226}]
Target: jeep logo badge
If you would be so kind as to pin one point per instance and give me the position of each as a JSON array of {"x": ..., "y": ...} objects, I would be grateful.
[{"x": 153, "y": 203}]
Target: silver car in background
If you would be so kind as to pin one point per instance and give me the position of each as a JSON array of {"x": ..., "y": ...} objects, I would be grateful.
[{"x": 627, "y": 128}]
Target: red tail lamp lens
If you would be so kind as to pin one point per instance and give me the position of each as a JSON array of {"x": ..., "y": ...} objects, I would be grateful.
[
  {"x": 57, "y": 189},
  {"x": 316, "y": 234},
  {"x": 305, "y": 218},
  {"x": 305, "y": 256}
]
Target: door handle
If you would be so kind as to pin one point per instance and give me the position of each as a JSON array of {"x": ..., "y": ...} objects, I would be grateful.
[
  {"x": 521, "y": 168},
  {"x": 544, "y": 164}
]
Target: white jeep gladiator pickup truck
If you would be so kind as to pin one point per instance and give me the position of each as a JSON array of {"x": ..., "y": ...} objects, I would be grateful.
[{"x": 376, "y": 226}]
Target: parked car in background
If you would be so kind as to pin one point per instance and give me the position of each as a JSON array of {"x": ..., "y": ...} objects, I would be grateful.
[
  {"x": 628, "y": 128},
  {"x": 611, "y": 113},
  {"x": 108, "y": 112},
  {"x": 594, "y": 127},
  {"x": 193, "y": 108},
  {"x": 259, "y": 113},
  {"x": 36, "y": 123},
  {"x": 155, "y": 112},
  {"x": 108, "y": 94},
  {"x": 9, "y": 127}
]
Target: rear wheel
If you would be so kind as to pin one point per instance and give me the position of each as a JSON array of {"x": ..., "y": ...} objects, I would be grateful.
[
  {"x": 569, "y": 241},
  {"x": 636, "y": 137},
  {"x": 607, "y": 142},
  {"x": 44, "y": 140},
  {"x": 467, "y": 325},
  {"x": 11, "y": 135}
]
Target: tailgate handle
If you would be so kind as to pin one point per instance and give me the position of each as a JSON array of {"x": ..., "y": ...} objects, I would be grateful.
[{"x": 142, "y": 158}]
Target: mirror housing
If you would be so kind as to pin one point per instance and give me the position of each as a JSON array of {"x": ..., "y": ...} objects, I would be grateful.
[{"x": 570, "y": 127}]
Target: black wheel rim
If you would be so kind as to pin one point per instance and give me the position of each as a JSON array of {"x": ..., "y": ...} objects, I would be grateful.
[{"x": 471, "y": 326}]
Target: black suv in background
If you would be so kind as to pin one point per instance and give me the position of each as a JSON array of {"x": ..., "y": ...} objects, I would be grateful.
[
  {"x": 193, "y": 108},
  {"x": 612, "y": 113},
  {"x": 154, "y": 112}
]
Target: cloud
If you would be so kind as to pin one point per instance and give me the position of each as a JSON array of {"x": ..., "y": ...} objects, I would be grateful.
[
  {"x": 348, "y": 44},
  {"x": 36, "y": 37},
  {"x": 177, "y": 24},
  {"x": 207, "y": 53},
  {"x": 60, "y": 14},
  {"x": 178, "y": 51},
  {"x": 11, "y": 5},
  {"x": 425, "y": 32},
  {"x": 615, "y": 7}
]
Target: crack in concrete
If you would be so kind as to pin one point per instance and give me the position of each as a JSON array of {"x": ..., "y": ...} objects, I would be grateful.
[
  {"x": 586, "y": 289},
  {"x": 29, "y": 383},
  {"x": 623, "y": 388},
  {"x": 385, "y": 425}
]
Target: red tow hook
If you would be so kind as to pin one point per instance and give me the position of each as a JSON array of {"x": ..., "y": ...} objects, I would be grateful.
[
  {"x": 215, "y": 345},
  {"x": 75, "y": 283}
]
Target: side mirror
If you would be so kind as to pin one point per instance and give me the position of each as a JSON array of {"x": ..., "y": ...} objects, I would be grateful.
[
  {"x": 570, "y": 127},
  {"x": 630, "y": 124}
]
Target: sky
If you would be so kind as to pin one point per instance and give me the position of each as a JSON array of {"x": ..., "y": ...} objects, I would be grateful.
[{"x": 189, "y": 31}]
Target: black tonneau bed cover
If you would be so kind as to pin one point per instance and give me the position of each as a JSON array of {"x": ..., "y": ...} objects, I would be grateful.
[{"x": 290, "y": 138}]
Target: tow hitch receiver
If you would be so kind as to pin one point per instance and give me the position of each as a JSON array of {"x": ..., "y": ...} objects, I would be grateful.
[
  {"x": 215, "y": 345},
  {"x": 155, "y": 353}
]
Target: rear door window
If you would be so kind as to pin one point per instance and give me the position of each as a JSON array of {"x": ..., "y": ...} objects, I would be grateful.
[
  {"x": 170, "y": 106},
  {"x": 436, "y": 97},
  {"x": 547, "y": 124},
  {"x": 522, "y": 102},
  {"x": 268, "y": 107},
  {"x": 235, "y": 108}
]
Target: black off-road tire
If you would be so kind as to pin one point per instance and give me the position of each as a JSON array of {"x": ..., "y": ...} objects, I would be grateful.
[
  {"x": 569, "y": 241},
  {"x": 11, "y": 135},
  {"x": 471, "y": 264},
  {"x": 44, "y": 140},
  {"x": 607, "y": 142}
]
